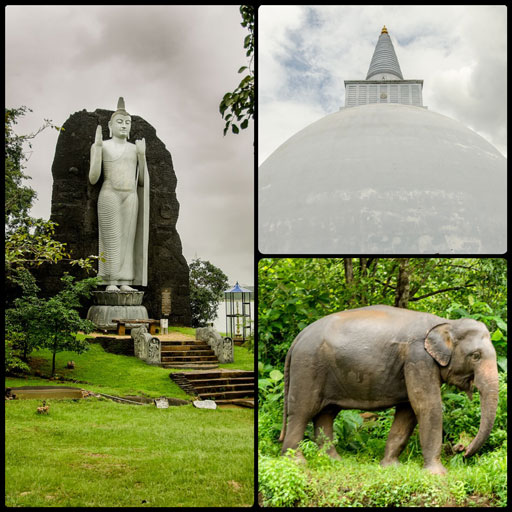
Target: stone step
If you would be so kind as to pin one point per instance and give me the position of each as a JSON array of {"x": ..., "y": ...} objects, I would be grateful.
[
  {"x": 205, "y": 365},
  {"x": 216, "y": 387},
  {"x": 178, "y": 348},
  {"x": 223, "y": 374},
  {"x": 220, "y": 381},
  {"x": 225, "y": 387},
  {"x": 188, "y": 359},
  {"x": 171, "y": 343},
  {"x": 195, "y": 352},
  {"x": 225, "y": 394}
]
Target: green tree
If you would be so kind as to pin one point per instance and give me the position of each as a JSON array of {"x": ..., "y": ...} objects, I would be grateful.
[
  {"x": 29, "y": 242},
  {"x": 51, "y": 323},
  {"x": 239, "y": 105},
  {"x": 207, "y": 283},
  {"x": 19, "y": 197},
  {"x": 294, "y": 292}
]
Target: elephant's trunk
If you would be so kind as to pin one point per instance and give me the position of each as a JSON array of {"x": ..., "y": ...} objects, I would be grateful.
[{"x": 486, "y": 381}]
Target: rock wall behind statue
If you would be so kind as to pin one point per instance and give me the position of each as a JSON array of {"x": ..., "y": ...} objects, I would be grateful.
[{"x": 74, "y": 209}]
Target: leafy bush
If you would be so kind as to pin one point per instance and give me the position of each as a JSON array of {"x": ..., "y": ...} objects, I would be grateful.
[
  {"x": 282, "y": 482},
  {"x": 270, "y": 408},
  {"x": 13, "y": 362}
]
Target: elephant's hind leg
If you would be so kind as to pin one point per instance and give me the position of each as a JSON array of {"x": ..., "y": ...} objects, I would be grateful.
[
  {"x": 401, "y": 430},
  {"x": 296, "y": 427},
  {"x": 324, "y": 431}
]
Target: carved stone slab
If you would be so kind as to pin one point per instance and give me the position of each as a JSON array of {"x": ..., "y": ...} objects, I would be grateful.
[
  {"x": 162, "y": 403},
  {"x": 205, "y": 404}
]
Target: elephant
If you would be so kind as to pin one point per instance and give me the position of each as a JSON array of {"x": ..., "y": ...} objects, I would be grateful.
[{"x": 377, "y": 357}]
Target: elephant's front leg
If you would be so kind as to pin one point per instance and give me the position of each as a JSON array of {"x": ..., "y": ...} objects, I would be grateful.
[
  {"x": 424, "y": 390},
  {"x": 401, "y": 430},
  {"x": 324, "y": 432}
]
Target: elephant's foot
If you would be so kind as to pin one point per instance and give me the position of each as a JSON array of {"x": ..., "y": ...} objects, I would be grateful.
[
  {"x": 436, "y": 468},
  {"x": 333, "y": 454},
  {"x": 385, "y": 462},
  {"x": 296, "y": 455}
]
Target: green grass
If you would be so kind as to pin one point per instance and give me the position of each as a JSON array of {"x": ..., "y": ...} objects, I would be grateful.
[
  {"x": 357, "y": 481},
  {"x": 117, "y": 374},
  {"x": 95, "y": 452},
  {"x": 103, "y": 372}
]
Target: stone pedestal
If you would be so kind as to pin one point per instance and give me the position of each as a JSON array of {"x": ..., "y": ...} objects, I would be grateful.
[{"x": 117, "y": 304}]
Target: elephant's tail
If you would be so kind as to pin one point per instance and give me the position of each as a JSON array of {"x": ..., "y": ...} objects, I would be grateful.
[{"x": 286, "y": 381}]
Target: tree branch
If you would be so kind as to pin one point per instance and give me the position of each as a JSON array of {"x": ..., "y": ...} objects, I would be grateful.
[{"x": 441, "y": 291}]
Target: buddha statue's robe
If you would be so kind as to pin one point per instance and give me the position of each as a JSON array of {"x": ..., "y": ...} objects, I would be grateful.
[{"x": 123, "y": 214}]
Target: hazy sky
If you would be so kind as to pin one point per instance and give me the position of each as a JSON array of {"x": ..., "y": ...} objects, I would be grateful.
[
  {"x": 172, "y": 65},
  {"x": 305, "y": 54}
]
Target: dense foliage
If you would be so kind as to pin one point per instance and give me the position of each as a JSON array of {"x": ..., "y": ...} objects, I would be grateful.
[
  {"x": 207, "y": 284},
  {"x": 239, "y": 105},
  {"x": 18, "y": 196},
  {"x": 29, "y": 242},
  {"x": 293, "y": 293}
]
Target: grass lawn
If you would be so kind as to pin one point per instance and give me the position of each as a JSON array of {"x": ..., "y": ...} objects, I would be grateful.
[{"x": 95, "y": 452}]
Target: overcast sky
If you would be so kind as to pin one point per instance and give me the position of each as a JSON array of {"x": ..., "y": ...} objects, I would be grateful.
[
  {"x": 172, "y": 65},
  {"x": 305, "y": 54}
]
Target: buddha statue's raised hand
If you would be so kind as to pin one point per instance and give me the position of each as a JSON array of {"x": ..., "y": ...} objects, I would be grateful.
[
  {"x": 141, "y": 146},
  {"x": 98, "y": 140}
]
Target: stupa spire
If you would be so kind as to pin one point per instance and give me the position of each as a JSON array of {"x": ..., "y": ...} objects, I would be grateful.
[
  {"x": 384, "y": 61},
  {"x": 384, "y": 82}
]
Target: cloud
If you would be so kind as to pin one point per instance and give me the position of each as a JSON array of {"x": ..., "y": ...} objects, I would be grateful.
[
  {"x": 459, "y": 52},
  {"x": 172, "y": 64}
]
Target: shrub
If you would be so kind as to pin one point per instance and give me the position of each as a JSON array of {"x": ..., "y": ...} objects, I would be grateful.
[{"x": 282, "y": 482}]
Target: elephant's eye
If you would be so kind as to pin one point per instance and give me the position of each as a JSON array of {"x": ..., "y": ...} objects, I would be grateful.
[{"x": 475, "y": 356}]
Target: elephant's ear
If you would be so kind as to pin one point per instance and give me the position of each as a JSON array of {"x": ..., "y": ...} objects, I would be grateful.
[{"x": 439, "y": 343}]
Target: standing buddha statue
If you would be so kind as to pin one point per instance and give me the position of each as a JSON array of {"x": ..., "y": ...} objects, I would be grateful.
[{"x": 123, "y": 204}]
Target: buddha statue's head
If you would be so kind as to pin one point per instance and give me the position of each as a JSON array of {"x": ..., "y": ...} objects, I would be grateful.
[{"x": 120, "y": 122}]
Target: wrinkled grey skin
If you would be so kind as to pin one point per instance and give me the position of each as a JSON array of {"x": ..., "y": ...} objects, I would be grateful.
[{"x": 378, "y": 357}]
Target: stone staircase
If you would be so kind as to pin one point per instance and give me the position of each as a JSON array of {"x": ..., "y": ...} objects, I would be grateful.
[
  {"x": 187, "y": 354},
  {"x": 225, "y": 387}
]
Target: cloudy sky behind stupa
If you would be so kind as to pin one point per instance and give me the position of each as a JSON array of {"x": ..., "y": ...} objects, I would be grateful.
[
  {"x": 305, "y": 54},
  {"x": 172, "y": 65}
]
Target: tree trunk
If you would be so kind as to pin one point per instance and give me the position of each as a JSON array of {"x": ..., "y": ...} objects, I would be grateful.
[
  {"x": 403, "y": 284},
  {"x": 363, "y": 266},
  {"x": 53, "y": 359},
  {"x": 349, "y": 270}
]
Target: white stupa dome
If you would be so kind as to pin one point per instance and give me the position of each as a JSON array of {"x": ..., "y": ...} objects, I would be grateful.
[{"x": 383, "y": 178}]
